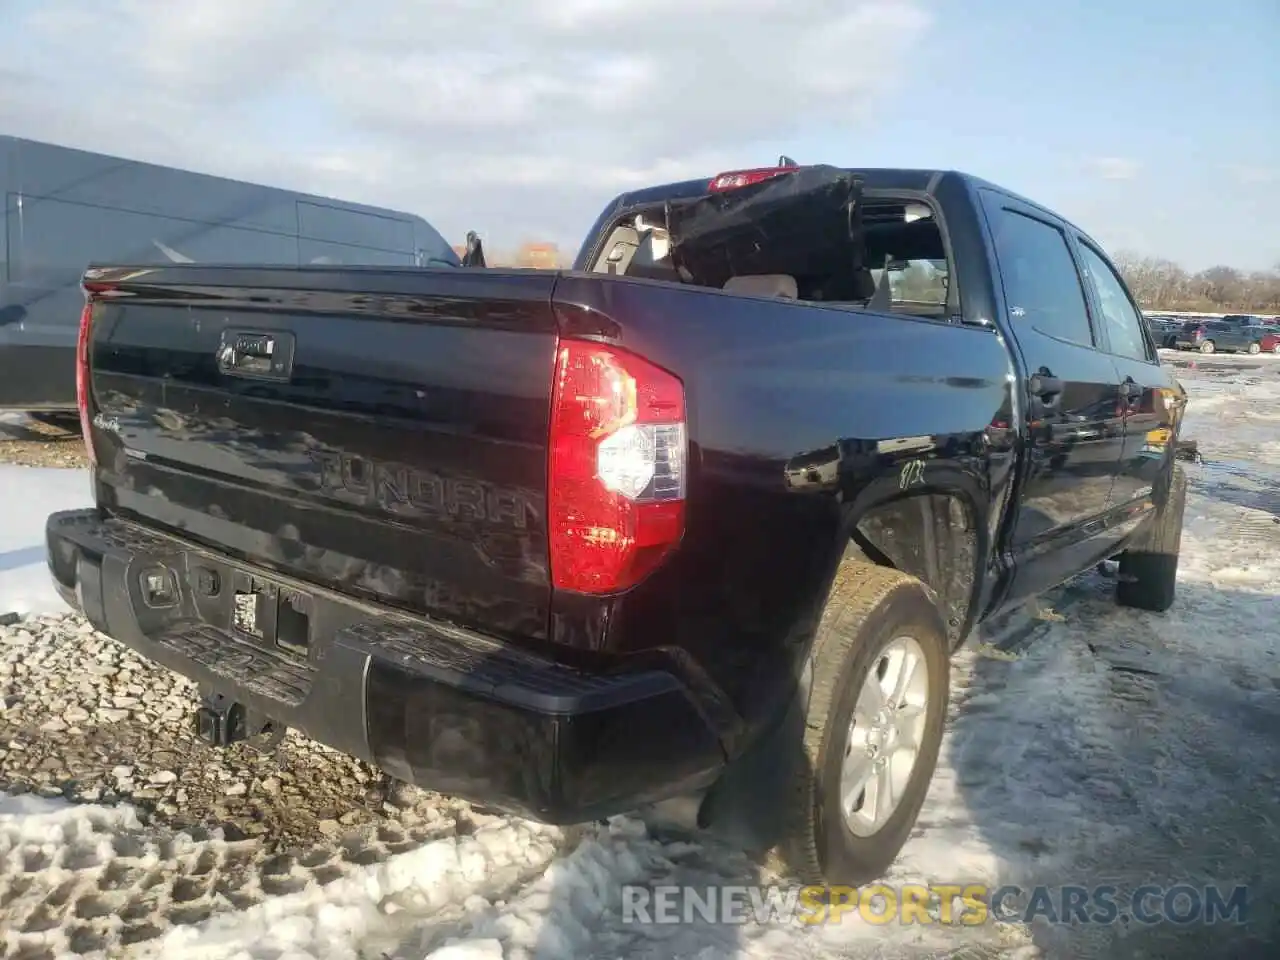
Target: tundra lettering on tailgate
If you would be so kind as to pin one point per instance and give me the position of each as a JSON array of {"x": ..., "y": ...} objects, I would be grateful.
[{"x": 406, "y": 491}]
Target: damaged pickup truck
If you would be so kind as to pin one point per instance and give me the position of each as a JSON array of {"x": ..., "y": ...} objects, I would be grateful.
[{"x": 703, "y": 518}]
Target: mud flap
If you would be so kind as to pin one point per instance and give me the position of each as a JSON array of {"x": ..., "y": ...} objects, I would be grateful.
[{"x": 742, "y": 807}]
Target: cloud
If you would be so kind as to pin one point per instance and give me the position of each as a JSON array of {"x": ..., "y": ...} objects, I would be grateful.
[
  {"x": 510, "y": 118},
  {"x": 1252, "y": 175},
  {"x": 1114, "y": 168}
]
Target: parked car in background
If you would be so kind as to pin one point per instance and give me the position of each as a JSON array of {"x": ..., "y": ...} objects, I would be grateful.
[
  {"x": 63, "y": 208},
  {"x": 1270, "y": 341},
  {"x": 1233, "y": 333},
  {"x": 1164, "y": 330}
]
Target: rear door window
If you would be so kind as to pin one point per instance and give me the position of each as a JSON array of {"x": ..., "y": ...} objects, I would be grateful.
[
  {"x": 1124, "y": 322},
  {"x": 1041, "y": 284}
]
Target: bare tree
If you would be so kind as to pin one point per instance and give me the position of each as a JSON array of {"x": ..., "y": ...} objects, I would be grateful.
[{"x": 1157, "y": 283}]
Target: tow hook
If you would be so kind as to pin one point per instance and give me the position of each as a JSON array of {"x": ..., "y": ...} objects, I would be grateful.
[{"x": 221, "y": 722}]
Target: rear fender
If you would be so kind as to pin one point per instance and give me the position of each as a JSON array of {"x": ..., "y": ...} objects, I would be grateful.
[{"x": 933, "y": 531}]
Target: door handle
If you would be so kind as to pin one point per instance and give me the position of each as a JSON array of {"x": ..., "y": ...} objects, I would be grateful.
[
  {"x": 247, "y": 354},
  {"x": 1045, "y": 387},
  {"x": 259, "y": 347},
  {"x": 261, "y": 356}
]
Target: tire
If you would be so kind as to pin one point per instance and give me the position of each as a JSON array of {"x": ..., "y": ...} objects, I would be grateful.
[
  {"x": 1206, "y": 346},
  {"x": 868, "y": 608},
  {"x": 1149, "y": 567},
  {"x": 1275, "y": 348},
  {"x": 1255, "y": 348}
]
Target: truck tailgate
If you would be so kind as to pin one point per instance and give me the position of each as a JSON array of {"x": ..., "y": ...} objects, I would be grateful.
[{"x": 382, "y": 433}]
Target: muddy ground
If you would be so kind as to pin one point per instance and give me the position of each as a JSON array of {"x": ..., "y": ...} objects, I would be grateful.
[{"x": 39, "y": 443}]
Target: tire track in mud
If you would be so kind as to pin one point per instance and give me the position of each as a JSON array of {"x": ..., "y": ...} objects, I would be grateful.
[
  {"x": 93, "y": 880},
  {"x": 107, "y": 884}
]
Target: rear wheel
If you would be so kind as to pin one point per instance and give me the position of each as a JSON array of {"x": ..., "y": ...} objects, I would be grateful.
[
  {"x": 1275, "y": 347},
  {"x": 873, "y": 728},
  {"x": 1255, "y": 347},
  {"x": 1149, "y": 567},
  {"x": 1206, "y": 346}
]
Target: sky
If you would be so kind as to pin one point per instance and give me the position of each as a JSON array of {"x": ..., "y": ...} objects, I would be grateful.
[{"x": 1153, "y": 124}]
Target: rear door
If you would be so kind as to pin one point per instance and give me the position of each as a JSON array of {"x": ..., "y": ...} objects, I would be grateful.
[
  {"x": 1074, "y": 419},
  {"x": 1145, "y": 385}
]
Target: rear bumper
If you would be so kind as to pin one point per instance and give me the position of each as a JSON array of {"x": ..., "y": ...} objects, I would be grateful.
[{"x": 429, "y": 703}]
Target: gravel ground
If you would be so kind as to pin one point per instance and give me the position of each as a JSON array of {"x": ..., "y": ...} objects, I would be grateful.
[
  {"x": 86, "y": 719},
  {"x": 32, "y": 443}
]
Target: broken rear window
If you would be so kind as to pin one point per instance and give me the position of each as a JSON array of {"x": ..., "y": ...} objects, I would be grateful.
[{"x": 811, "y": 234}]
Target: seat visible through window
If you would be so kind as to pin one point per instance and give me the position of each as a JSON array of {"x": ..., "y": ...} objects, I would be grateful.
[{"x": 764, "y": 285}]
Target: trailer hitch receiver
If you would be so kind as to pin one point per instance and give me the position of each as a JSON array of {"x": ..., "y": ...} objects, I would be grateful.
[{"x": 221, "y": 722}]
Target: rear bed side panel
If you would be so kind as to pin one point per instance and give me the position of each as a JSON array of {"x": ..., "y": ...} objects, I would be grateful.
[
  {"x": 802, "y": 419},
  {"x": 403, "y": 459}
]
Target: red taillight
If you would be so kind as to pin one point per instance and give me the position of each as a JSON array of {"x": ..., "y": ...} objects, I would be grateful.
[
  {"x": 82, "y": 377},
  {"x": 736, "y": 179},
  {"x": 618, "y": 459}
]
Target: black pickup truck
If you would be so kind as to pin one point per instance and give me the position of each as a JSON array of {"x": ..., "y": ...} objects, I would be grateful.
[{"x": 704, "y": 517}]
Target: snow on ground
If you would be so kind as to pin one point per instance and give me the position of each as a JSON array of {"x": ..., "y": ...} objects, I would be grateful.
[
  {"x": 1112, "y": 747},
  {"x": 27, "y": 496}
]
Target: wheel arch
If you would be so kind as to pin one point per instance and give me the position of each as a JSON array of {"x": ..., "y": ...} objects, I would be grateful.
[{"x": 937, "y": 532}]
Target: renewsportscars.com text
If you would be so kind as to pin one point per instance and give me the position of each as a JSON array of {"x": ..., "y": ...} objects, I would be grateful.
[{"x": 935, "y": 904}]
